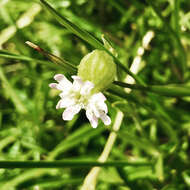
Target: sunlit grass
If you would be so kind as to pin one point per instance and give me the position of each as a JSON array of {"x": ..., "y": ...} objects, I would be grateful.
[{"x": 147, "y": 145}]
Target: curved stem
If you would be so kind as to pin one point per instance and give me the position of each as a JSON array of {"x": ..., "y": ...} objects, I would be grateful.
[
  {"x": 165, "y": 90},
  {"x": 90, "y": 180}
]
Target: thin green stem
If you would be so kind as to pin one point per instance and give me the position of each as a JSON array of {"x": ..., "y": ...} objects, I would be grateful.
[
  {"x": 164, "y": 90},
  {"x": 88, "y": 38},
  {"x": 67, "y": 65},
  {"x": 173, "y": 34},
  {"x": 21, "y": 108},
  {"x": 60, "y": 64},
  {"x": 176, "y": 16},
  {"x": 166, "y": 126},
  {"x": 91, "y": 179},
  {"x": 67, "y": 164}
]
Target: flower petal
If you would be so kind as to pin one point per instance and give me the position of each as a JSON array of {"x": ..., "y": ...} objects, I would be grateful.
[
  {"x": 92, "y": 118},
  {"x": 95, "y": 110},
  {"x": 86, "y": 88},
  {"x": 58, "y": 86},
  {"x": 80, "y": 91},
  {"x": 77, "y": 83},
  {"x": 102, "y": 106},
  {"x": 59, "y": 77},
  {"x": 106, "y": 119},
  {"x": 98, "y": 97},
  {"x": 63, "y": 82},
  {"x": 66, "y": 102},
  {"x": 53, "y": 85},
  {"x": 69, "y": 112},
  {"x": 66, "y": 93}
]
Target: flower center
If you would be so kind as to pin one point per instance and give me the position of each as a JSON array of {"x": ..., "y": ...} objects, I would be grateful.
[{"x": 81, "y": 99}]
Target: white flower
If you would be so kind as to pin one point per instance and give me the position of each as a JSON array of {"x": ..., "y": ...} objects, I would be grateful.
[{"x": 76, "y": 96}]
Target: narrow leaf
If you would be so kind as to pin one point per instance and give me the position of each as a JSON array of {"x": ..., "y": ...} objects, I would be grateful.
[
  {"x": 66, "y": 163},
  {"x": 87, "y": 37},
  {"x": 8, "y": 55},
  {"x": 165, "y": 90},
  {"x": 54, "y": 58}
]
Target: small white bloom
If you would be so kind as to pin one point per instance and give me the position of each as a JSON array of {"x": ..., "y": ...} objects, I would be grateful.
[{"x": 76, "y": 96}]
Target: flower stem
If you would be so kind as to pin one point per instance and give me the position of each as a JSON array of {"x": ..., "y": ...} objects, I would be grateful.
[
  {"x": 90, "y": 180},
  {"x": 165, "y": 90}
]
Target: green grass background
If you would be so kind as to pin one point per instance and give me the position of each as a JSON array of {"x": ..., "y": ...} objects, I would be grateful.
[{"x": 155, "y": 129}]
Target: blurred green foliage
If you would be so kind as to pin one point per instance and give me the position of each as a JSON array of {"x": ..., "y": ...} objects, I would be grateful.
[{"x": 155, "y": 128}]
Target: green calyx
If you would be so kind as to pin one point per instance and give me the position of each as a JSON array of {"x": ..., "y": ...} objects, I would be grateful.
[{"x": 99, "y": 68}]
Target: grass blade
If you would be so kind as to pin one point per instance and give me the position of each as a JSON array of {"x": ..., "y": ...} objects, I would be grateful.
[
  {"x": 66, "y": 163},
  {"x": 68, "y": 66},
  {"x": 20, "y": 107},
  {"x": 8, "y": 55},
  {"x": 87, "y": 37},
  {"x": 164, "y": 90},
  {"x": 173, "y": 33},
  {"x": 74, "y": 28}
]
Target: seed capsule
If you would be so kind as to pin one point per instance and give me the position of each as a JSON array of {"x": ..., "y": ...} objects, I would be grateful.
[{"x": 99, "y": 68}]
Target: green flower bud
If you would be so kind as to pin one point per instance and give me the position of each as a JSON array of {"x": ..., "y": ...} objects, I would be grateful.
[{"x": 99, "y": 68}]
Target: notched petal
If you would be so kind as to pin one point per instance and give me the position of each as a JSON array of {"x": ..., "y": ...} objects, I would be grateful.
[
  {"x": 92, "y": 118},
  {"x": 86, "y": 88},
  {"x": 103, "y": 107},
  {"x": 66, "y": 102},
  {"x": 98, "y": 97},
  {"x": 59, "y": 77},
  {"x": 77, "y": 83},
  {"x": 63, "y": 81},
  {"x": 69, "y": 112},
  {"x": 53, "y": 85},
  {"x": 106, "y": 119},
  {"x": 77, "y": 96}
]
